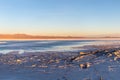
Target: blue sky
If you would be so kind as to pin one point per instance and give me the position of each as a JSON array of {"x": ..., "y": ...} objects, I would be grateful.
[{"x": 60, "y": 17}]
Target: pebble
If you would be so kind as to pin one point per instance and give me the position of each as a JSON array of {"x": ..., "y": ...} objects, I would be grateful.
[{"x": 85, "y": 66}]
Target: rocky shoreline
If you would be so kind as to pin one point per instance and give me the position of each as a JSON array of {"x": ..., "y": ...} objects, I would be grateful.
[
  {"x": 46, "y": 62},
  {"x": 44, "y": 58}
]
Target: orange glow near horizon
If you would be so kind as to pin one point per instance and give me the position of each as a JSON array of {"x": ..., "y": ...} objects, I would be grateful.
[{"x": 66, "y": 34}]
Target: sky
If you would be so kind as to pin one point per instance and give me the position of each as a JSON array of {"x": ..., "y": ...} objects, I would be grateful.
[{"x": 60, "y": 17}]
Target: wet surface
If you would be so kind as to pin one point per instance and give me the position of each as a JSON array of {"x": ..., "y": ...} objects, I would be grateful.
[
  {"x": 97, "y": 62},
  {"x": 90, "y": 65}
]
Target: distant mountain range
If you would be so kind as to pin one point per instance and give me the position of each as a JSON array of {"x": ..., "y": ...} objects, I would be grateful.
[{"x": 25, "y": 36}]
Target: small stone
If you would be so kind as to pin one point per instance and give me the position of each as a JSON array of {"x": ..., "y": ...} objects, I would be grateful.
[
  {"x": 61, "y": 66},
  {"x": 57, "y": 61},
  {"x": 34, "y": 65},
  {"x": 117, "y": 54},
  {"x": 84, "y": 66},
  {"x": 42, "y": 66},
  {"x": 78, "y": 58},
  {"x": 18, "y": 61},
  {"x": 109, "y": 55},
  {"x": 115, "y": 58},
  {"x": 82, "y": 53}
]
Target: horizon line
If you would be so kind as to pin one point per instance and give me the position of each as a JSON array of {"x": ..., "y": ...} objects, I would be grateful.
[{"x": 28, "y": 36}]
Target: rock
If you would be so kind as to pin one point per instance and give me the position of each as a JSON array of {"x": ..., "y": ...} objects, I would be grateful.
[
  {"x": 78, "y": 58},
  {"x": 43, "y": 66},
  {"x": 34, "y": 65},
  {"x": 117, "y": 54},
  {"x": 19, "y": 61},
  {"x": 82, "y": 53},
  {"x": 109, "y": 55},
  {"x": 57, "y": 61},
  {"x": 115, "y": 58},
  {"x": 85, "y": 66},
  {"x": 62, "y": 67}
]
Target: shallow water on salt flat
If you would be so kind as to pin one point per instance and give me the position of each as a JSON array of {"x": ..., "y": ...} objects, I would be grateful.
[{"x": 50, "y": 45}]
